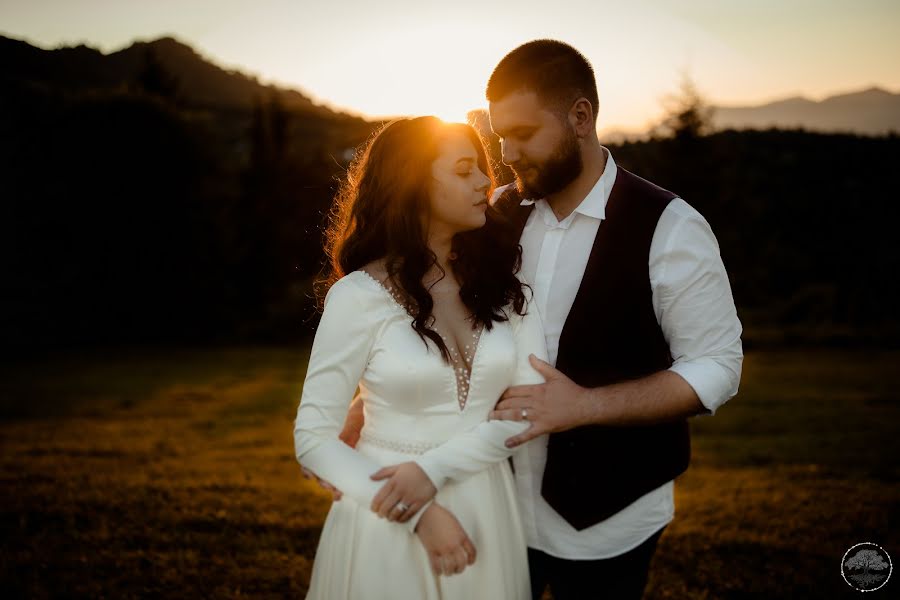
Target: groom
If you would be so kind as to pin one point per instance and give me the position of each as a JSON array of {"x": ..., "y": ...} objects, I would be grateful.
[{"x": 640, "y": 323}]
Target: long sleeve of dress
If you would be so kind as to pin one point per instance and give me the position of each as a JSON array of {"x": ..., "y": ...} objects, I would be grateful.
[
  {"x": 483, "y": 445},
  {"x": 339, "y": 356}
]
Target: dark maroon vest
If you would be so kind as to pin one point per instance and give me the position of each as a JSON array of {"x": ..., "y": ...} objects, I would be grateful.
[{"x": 611, "y": 335}]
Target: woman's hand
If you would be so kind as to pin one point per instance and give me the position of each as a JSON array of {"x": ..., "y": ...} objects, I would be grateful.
[
  {"x": 449, "y": 548},
  {"x": 407, "y": 485}
]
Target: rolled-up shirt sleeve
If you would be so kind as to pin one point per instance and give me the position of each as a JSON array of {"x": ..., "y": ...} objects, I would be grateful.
[{"x": 694, "y": 305}]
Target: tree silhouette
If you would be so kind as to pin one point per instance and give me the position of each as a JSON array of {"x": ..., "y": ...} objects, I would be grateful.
[
  {"x": 866, "y": 559},
  {"x": 153, "y": 78},
  {"x": 268, "y": 133},
  {"x": 688, "y": 114}
]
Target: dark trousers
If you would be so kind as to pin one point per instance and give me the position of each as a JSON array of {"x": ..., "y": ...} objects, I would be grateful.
[{"x": 621, "y": 577}]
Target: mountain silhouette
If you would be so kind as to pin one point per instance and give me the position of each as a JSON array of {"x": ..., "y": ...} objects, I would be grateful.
[
  {"x": 200, "y": 83},
  {"x": 872, "y": 111}
]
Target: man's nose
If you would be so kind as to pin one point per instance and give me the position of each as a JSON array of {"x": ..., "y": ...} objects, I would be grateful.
[{"x": 508, "y": 152}]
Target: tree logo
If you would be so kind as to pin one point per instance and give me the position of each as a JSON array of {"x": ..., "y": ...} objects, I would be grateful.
[{"x": 866, "y": 567}]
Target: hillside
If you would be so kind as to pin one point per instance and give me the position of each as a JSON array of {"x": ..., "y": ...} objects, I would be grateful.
[{"x": 198, "y": 82}]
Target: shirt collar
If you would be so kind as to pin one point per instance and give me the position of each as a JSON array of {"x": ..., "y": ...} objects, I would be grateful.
[{"x": 594, "y": 204}]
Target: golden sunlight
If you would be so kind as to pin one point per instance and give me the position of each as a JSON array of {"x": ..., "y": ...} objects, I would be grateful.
[{"x": 421, "y": 68}]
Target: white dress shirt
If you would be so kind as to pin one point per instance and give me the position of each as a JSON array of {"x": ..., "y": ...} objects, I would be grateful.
[{"x": 695, "y": 310}]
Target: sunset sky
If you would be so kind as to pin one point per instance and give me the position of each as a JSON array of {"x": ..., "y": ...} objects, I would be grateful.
[{"x": 396, "y": 57}]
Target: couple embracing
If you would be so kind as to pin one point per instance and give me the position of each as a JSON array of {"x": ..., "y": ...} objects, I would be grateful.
[{"x": 527, "y": 357}]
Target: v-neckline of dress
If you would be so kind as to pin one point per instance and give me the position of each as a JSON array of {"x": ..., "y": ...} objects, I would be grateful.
[{"x": 462, "y": 378}]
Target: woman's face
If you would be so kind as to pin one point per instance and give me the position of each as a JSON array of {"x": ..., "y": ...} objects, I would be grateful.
[{"x": 458, "y": 198}]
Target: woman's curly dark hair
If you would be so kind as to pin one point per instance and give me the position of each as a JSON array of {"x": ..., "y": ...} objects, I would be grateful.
[{"x": 377, "y": 215}]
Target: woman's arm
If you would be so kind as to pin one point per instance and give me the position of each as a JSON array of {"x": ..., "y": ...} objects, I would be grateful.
[
  {"x": 484, "y": 445},
  {"x": 337, "y": 361},
  {"x": 475, "y": 449}
]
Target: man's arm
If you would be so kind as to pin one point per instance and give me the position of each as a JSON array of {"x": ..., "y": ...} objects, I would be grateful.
[
  {"x": 354, "y": 422},
  {"x": 695, "y": 310},
  {"x": 662, "y": 396},
  {"x": 561, "y": 404}
]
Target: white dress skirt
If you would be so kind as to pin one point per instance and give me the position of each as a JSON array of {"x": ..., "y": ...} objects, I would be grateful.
[{"x": 417, "y": 408}]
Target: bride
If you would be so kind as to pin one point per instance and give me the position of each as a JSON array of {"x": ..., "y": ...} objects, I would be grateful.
[{"x": 424, "y": 313}]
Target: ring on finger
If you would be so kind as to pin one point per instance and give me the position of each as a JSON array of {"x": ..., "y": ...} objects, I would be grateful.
[{"x": 524, "y": 414}]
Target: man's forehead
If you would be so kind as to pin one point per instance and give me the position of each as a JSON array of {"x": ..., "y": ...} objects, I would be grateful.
[{"x": 521, "y": 107}]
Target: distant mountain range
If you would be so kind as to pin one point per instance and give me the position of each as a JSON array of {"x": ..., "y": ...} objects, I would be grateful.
[
  {"x": 873, "y": 111},
  {"x": 201, "y": 83}
]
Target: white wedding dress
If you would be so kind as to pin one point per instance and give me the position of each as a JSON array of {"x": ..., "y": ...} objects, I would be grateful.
[{"x": 415, "y": 410}]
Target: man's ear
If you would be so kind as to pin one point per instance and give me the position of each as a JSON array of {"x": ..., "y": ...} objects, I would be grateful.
[{"x": 581, "y": 116}]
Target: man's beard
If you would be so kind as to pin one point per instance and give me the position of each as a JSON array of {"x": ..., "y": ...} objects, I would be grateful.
[{"x": 561, "y": 169}]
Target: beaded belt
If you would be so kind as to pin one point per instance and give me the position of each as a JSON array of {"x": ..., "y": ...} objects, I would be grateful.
[{"x": 406, "y": 447}]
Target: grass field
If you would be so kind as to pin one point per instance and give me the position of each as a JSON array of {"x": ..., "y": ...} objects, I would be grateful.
[{"x": 170, "y": 473}]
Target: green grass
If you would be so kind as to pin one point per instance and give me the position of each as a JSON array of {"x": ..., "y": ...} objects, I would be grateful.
[{"x": 171, "y": 473}]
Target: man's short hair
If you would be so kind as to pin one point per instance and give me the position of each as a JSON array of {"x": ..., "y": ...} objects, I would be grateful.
[{"x": 558, "y": 73}]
